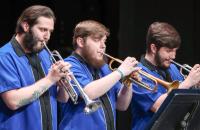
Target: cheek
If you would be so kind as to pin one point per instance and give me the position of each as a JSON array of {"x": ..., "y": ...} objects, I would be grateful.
[
  {"x": 37, "y": 34},
  {"x": 165, "y": 55},
  {"x": 88, "y": 48},
  {"x": 88, "y": 51}
]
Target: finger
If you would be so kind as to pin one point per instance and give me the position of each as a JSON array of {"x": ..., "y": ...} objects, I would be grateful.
[
  {"x": 136, "y": 69},
  {"x": 198, "y": 69},
  {"x": 66, "y": 67},
  {"x": 54, "y": 67},
  {"x": 135, "y": 63},
  {"x": 57, "y": 62},
  {"x": 130, "y": 59},
  {"x": 59, "y": 83},
  {"x": 61, "y": 66},
  {"x": 196, "y": 66}
]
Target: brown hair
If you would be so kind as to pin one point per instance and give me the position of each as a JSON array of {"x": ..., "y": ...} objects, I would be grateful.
[
  {"x": 89, "y": 28},
  {"x": 162, "y": 35},
  {"x": 31, "y": 14}
]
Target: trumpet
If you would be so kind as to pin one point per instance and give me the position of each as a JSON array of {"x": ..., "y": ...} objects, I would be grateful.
[
  {"x": 185, "y": 67},
  {"x": 69, "y": 85},
  {"x": 168, "y": 85}
]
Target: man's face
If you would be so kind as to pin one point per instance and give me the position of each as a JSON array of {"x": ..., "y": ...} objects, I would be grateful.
[
  {"x": 163, "y": 57},
  {"x": 93, "y": 51},
  {"x": 38, "y": 34}
]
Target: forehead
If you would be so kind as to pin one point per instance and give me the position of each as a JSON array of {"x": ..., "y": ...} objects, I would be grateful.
[
  {"x": 97, "y": 37},
  {"x": 168, "y": 49},
  {"x": 44, "y": 22}
]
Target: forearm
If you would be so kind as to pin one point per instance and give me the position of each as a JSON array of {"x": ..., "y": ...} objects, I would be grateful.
[
  {"x": 99, "y": 87},
  {"x": 158, "y": 102},
  {"x": 185, "y": 84},
  {"x": 15, "y": 99},
  {"x": 124, "y": 98}
]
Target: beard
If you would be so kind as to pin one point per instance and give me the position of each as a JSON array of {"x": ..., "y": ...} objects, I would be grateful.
[
  {"x": 160, "y": 61},
  {"x": 91, "y": 60},
  {"x": 30, "y": 42}
]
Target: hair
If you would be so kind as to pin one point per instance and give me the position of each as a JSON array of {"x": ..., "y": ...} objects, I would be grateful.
[
  {"x": 31, "y": 14},
  {"x": 89, "y": 28},
  {"x": 162, "y": 35}
]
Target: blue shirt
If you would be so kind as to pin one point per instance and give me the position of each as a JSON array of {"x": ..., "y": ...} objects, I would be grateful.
[
  {"x": 143, "y": 99},
  {"x": 73, "y": 117},
  {"x": 16, "y": 73}
]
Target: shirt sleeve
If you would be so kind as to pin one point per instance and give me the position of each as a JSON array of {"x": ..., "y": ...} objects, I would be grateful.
[
  {"x": 175, "y": 73},
  {"x": 80, "y": 73},
  {"x": 9, "y": 78},
  {"x": 105, "y": 71}
]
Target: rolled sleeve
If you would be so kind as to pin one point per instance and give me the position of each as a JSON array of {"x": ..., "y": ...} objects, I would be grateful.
[{"x": 8, "y": 74}]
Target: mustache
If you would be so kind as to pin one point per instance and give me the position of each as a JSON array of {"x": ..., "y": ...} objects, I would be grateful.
[{"x": 102, "y": 52}]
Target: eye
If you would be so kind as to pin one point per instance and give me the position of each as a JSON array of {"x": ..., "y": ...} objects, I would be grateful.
[
  {"x": 169, "y": 50},
  {"x": 43, "y": 29},
  {"x": 96, "y": 39}
]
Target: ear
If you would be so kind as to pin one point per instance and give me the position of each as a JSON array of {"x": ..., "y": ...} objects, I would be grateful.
[
  {"x": 80, "y": 42},
  {"x": 25, "y": 26},
  {"x": 153, "y": 48}
]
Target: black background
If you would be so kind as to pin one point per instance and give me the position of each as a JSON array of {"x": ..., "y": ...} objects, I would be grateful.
[{"x": 127, "y": 20}]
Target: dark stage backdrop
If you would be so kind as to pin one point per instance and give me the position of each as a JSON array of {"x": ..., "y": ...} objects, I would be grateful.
[{"x": 128, "y": 21}]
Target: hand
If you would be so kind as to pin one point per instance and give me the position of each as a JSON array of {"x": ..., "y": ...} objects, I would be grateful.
[
  {"x": 59, "y": 70},
  {"x": 136, "y": 76},
  {"x": 194, "y": 76},
  {"x": 64, "y": 82},
  {"x": 198, "y": 85},
  {"x": 129, "y": 66}
]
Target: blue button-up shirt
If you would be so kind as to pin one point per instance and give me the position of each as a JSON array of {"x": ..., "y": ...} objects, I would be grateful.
[
  {"x": 143, "y": 99},
  {"x": 16, "y": 73},
  {"x": 73, "y": 117}
]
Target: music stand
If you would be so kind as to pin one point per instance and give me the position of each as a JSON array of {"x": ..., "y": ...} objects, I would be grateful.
[{"x": 179, "y": 111}]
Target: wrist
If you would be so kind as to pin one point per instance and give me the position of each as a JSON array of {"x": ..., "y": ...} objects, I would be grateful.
[
  {"x": 184, "y": 85},
  {"x": 121, "y": 73},
  {"x": 50, "y": 80}
]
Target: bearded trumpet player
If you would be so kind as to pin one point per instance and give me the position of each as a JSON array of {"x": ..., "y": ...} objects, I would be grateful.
[
  {"x": 27, "y": 78},
  {"x": 162, "y": 42},
  {"x": 97, "y": 80}
]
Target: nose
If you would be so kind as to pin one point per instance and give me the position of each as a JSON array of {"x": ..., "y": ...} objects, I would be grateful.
[
  {"x": 47, "y": 35},
  {"x": 173, "y": 55},
  {"x": 103, "y": 45}
]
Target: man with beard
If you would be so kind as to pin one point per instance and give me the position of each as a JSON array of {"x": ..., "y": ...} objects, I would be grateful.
[
  {"x": 97, "y": 80},
  {"x": 162, "y": 42},
  {"x": 27, "y": 79}
]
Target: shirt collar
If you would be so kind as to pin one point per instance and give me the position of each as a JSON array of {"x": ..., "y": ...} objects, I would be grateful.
[
  {"x": 93, "y": 70},
  {"x": 17, "y": 48},
  {"x": 78, "y": 57},
  {"x": 148, "y": 64}
]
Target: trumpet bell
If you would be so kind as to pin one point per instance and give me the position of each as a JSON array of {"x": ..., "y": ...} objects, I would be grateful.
[
  {"x": 173, "y": 85},
  {"x": 92, "y": 106}
]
